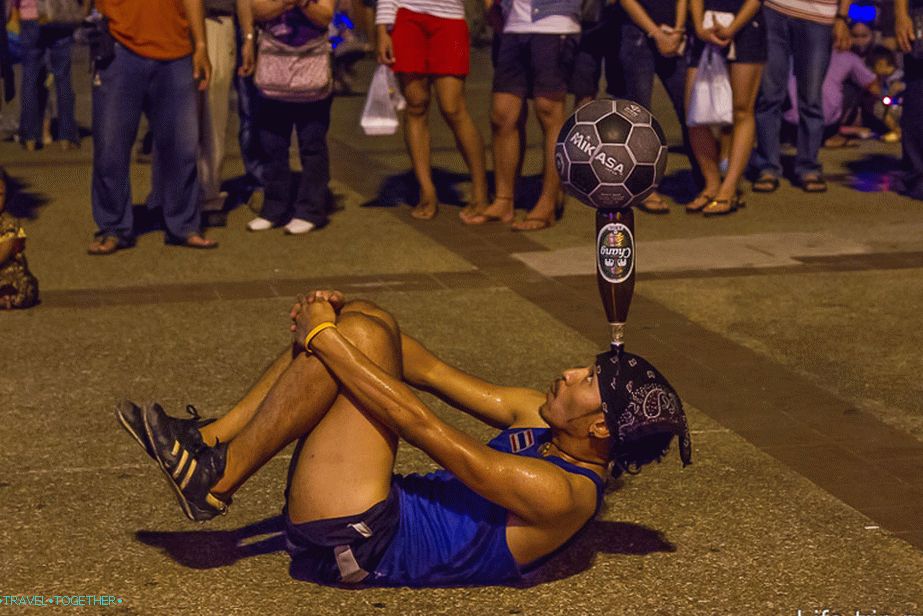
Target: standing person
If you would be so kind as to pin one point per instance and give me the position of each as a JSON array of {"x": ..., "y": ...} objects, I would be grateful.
[
  {"x": 213, "y": 108},
  {"x": 534, "y": 57},
  {"x": 428, "y": 49},
  {"x": 741, "y": 36},
  {"x": 652, "y": 43},
  {"x": 159, "y": 56},
  {"x": 912, "y": 128},
  {"x": 800, "y": 34},
  {"x": 56, "y": 41},
  {"x": 294, "y": 23}
]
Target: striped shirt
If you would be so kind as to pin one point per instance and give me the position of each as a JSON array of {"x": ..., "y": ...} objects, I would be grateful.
[
  {"x": 819, "y": 11},
  {"x": 448, "y": 9}
]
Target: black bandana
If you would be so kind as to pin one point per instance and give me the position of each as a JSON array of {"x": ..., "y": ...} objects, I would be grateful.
[{"x": 638, "y": 401}]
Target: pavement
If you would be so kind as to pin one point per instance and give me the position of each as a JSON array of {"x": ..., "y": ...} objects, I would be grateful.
[{"x": 791, "y": 330}]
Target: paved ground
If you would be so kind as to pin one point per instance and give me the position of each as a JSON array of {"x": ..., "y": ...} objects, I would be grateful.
[{"x": 791, "y": 330}]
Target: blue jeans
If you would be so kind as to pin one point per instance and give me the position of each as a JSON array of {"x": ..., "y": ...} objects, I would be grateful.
[
  {"x": 274, "y": 121},
  {"x": 790, "y": 38},
  {"x": 36, "y": 41},
  {"x": 166, "y": 92}
]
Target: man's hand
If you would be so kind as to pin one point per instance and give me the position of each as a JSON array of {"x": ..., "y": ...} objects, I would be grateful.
[
  {"x": 841, "y": 38},
  {"x": 903, "y": 31},
  {"x": 667, "y": 42},
  {"x": 384, "y": 47},
  {"x": 201, "y": 67},
  {"x": 247, "y": 59},
  {"x": 312, "y": 310}
]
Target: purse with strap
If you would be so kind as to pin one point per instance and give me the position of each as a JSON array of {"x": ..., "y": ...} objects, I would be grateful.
[{"x": 293, "y": 74}]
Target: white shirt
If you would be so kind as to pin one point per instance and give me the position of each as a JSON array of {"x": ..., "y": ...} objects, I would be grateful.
[
  {"x": 520, "y": 21},
  {"x": 448, "y": 9}
]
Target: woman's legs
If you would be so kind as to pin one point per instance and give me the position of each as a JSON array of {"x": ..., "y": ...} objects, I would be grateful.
[
  {"x": 506, "y": 126},
  {"x": 30, "y": 121},
  {"x": 415, "y": 89},
  {"x": 705, "y": 149},
  {"x": 745, "y": 84},
  {"x": 274, "y": 122},
  {"x": 450, "y": 94}
]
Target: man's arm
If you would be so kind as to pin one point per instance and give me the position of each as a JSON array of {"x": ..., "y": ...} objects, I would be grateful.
[
  {"x": 903, "y": 25},
  {"x": 667, "y": 43},
  {"x": 201, "y": 67},
  {"x": 535, "y": 491},
  {"x": 493, "y": 404}
]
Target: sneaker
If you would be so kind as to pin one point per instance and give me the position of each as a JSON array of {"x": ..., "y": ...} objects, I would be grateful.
[
  {"x": 130, "y": 418},
  {"x": 259, "y": 224},
  {"x": 191, "y": 467},
  {"x": 297, "y": 226}
]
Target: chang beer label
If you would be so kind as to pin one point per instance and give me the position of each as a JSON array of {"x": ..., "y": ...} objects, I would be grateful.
[{"x": 615, "y": 252}]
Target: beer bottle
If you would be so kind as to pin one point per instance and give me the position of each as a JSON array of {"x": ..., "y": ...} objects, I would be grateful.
[{"x": 615, "y": 267}]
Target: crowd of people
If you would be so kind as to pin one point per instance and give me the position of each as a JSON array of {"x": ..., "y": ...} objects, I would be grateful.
[{"x": 811, "y": 72}]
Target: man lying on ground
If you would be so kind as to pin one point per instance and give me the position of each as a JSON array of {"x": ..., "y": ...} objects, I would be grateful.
[{"x": 342, "y": 393}]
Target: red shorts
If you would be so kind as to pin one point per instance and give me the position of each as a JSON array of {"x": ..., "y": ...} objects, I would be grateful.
[{"x": 429, "y": 45}]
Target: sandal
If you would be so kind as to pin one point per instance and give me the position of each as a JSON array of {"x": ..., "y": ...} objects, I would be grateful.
[
  {"x": 654, "y": 205},
  {"x": 813, "y": 183},
  {"x": 483, "y": 218},
  {"x": 104, "y": 246},
  {"x": 196, "y": 241},
  {"x": 532, "y": 224},
  {"x": 722, "y": 207},
  {"x": 698, "y": 204},
  {"x": 766, "y": 183}
]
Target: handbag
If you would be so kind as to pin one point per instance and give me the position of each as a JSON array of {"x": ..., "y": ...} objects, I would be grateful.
[
  {"x": 711, "y": 102},
  {"x": 293, "y": 74},
  {"x": 60, "y": 12}
]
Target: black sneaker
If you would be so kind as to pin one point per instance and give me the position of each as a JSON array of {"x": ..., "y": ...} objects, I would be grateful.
[
  {"x": 190, "y": 466},
  {"x": 129, "y": 415}
]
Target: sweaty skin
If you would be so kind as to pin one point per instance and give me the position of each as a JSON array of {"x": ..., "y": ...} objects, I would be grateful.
[{"x": 546, "y": 504}]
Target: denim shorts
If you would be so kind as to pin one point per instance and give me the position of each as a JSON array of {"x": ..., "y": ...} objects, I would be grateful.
[{"x": 530, "y": 65}]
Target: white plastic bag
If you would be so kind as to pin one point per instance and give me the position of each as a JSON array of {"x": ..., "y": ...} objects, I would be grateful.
[
  {"x": 711, "y": 102},
  {"x": 397, "y": 99},
  {"x": 379, "y": 116}
]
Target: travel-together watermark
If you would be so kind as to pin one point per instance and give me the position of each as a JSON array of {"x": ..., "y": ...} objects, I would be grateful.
[
  {"x": 854, "y": 612},
  {"x": 60, "y": 600}
]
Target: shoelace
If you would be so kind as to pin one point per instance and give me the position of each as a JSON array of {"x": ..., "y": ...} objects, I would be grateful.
[{"x": 199, "y": 446}]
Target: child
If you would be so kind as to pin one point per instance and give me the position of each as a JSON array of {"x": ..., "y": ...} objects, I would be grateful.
[
  {"x": 18, "y": 287},
  {"x": 883, "y": 63}
]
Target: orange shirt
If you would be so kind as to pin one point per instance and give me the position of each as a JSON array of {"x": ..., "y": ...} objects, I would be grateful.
[{"x": 154, "y": 29}]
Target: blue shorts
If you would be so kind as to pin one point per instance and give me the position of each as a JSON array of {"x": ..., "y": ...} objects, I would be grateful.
[{"x": 343, "y": 550}]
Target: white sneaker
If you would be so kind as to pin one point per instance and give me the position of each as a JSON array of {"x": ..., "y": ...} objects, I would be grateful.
[
  {"x": 259, "y": 224},
  {"x": 297, "y": 226}
]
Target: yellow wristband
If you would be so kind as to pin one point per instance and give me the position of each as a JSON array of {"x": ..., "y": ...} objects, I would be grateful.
[{"x": 313, "y": 333}]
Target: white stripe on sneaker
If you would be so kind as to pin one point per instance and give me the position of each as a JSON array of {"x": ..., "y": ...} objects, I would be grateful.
[
  {"x": 185, "y": 482},
  {"x": 182, "y": 463}
]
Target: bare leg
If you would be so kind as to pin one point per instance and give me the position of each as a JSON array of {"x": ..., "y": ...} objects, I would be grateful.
[
  {"x": 550, "y": 113},
  {"x": 705, "y": 149},
  {"x": 450, "y": 94},
  {"x": 505, "y": 113},
  {"x": 296, "y": 403},
  {"x": 416, "y": 135},
  {"x": 745, "y": 83},
  {"x": 230, "y": 424}
]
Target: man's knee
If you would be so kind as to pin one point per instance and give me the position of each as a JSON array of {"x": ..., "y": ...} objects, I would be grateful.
[
  {"x": 369, "y": 308},
  {"x": 373, "y": 336}
]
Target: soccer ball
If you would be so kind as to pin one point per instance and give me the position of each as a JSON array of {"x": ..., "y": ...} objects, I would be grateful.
[{"x": 611, "y": 154}]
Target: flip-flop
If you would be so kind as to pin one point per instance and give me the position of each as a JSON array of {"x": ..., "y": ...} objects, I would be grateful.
[
  {"x": 813, "y": 183},
  {"x": 766, "y": 183},
  {"x": 483, "y": 219},
  {"x": 660, "y": 206},
  {"x": 424, "y": 216},
  {"x": 189, "y": 242},
  {"x": 541, "y": 224}
]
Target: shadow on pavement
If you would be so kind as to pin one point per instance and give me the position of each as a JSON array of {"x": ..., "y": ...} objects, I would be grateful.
[
  {"x": 213, "y": 549},
  {"x": 217, "y": 548},
  {"x": 21, "y": 202}
]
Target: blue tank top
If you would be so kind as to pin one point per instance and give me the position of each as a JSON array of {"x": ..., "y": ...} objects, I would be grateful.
[{"x": 450, "y": 535}]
